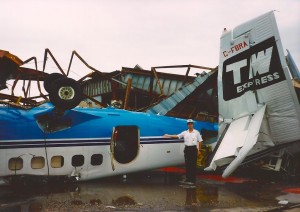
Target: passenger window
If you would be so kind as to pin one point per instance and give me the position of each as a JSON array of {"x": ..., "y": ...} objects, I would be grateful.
[
  {"x": 37, "y": 162},
  {"x": 15, "y": 164},
  {"x": 96, "y": 159},
  {"x": 77, "y": 160},
  {"x": 57, "y": 161}
]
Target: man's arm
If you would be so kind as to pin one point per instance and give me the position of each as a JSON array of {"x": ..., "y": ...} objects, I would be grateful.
[{"x": 170, "y": 136}]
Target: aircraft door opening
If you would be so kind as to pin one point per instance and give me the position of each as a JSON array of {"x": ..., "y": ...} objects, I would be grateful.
[{"x": 125, "y": 143}]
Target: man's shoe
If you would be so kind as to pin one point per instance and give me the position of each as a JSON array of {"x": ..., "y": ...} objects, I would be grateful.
[
  {"x": 189, "y": 183},
  {"x": 182, "y": 181},
  {"x": 187, "y": 186}
]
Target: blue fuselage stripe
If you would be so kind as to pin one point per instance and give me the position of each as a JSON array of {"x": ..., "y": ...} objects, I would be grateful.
[{"x": 74, "y": 143}]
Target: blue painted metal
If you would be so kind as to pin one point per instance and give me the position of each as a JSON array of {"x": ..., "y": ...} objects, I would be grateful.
[{"x": 88, "y": 125}]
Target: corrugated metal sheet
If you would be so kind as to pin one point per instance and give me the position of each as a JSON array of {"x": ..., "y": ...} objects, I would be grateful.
[{"x": 169, "y": 103}]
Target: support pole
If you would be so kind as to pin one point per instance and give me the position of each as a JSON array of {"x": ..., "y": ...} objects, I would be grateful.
[{"x": 128, "y": 88}]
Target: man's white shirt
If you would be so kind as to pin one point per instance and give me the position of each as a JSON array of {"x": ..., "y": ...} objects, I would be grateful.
[{"x": 190, "y": 138}]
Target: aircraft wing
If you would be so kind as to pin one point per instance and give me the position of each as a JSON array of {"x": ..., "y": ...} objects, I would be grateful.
[
  {"x": 10, "y": 69},
  {"x": 29, "y": 74}
]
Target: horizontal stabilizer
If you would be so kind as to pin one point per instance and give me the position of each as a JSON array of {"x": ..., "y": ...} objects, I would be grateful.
[
  {"x": 250, "y": 141},
  {"x": 238, "y": 140}
]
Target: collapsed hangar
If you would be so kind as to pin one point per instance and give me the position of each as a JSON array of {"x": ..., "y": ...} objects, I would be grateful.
[{"x": 156, "y": 92}]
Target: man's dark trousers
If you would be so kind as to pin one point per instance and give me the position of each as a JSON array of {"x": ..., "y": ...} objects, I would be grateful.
[{"x": 190, "y": 156}]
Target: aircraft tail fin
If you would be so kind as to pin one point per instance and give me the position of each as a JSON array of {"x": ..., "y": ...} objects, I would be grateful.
[{"x": 253, "y": 72}]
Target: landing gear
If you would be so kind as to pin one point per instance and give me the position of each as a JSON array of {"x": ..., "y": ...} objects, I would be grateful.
[
  {"x": 64, "y": 93},
  {"x": 48, "y": 83}
]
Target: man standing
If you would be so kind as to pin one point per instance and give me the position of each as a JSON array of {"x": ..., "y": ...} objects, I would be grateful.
[{"x": 191, "y": 139}]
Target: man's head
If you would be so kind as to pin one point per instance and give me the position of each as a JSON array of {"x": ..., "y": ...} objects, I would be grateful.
[{"x": 190, "y": 123}]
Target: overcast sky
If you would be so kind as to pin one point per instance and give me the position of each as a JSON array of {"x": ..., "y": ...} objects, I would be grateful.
[{"x": 110, "y": 34}]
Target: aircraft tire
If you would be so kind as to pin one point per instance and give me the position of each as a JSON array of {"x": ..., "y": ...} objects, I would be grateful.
[
  {"x": 66, "y": 93},
  {"x": 48, "y": 83}
]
